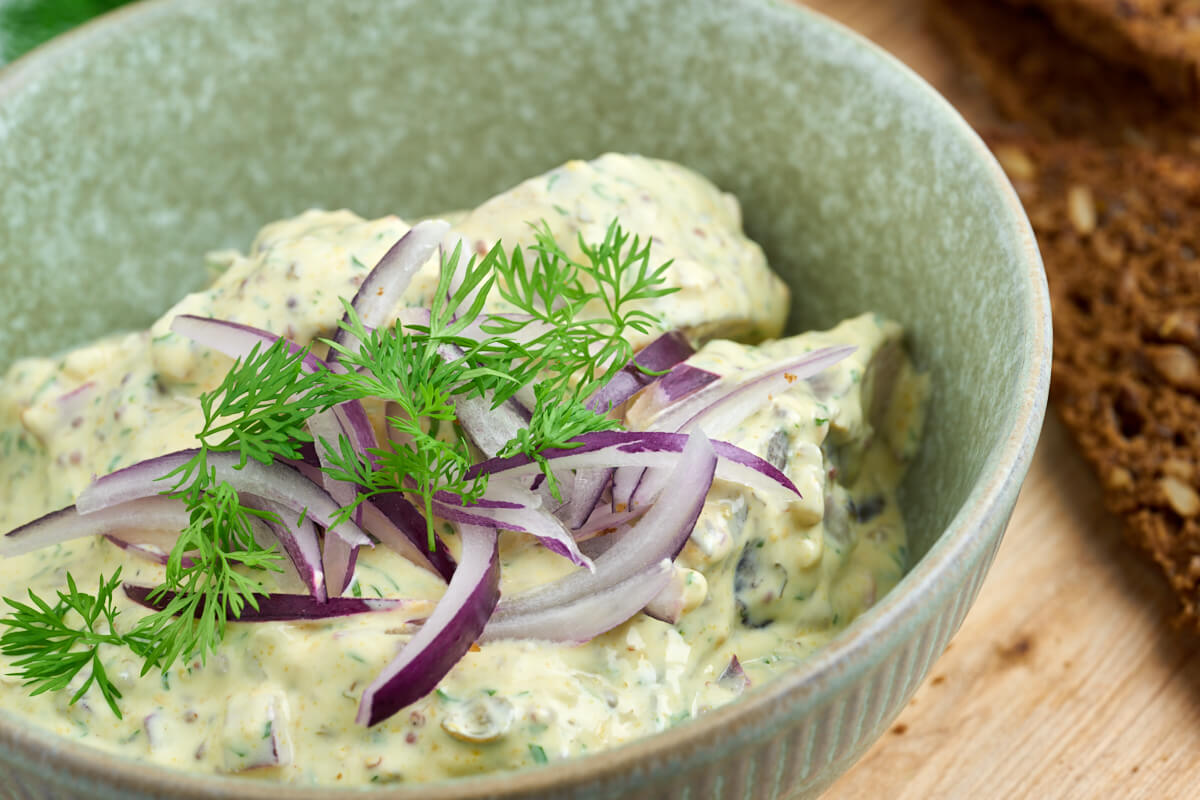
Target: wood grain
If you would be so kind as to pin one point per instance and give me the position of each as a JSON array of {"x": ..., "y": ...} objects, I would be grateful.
[{"x": 1064, "y": 681}]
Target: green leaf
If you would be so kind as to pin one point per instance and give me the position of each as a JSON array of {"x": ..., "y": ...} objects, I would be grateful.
[{"x": 25, "y": 24}]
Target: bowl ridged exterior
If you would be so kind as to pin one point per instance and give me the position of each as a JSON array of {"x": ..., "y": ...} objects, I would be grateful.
[{"x": 204, "y": 119}]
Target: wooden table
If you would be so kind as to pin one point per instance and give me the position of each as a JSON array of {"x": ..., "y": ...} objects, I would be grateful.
[{"x": 1064, "y": 680}]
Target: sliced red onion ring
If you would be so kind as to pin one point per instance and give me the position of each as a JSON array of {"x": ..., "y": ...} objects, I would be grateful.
[
  {"x": 566, "y": 489},
  {"x": 273, "y": 482},
  {"x": 668, "y": 604},
  {"x": 736, "y": 396},
  {"x": 629, "y": 573},
  {"x": 235, "y": 339},
  {"x": 382, "y": 288},
  {"x": 147, "y": 528},
  {"x": 585, "y": 495},
  {"x": 719, "y": 406},
  {"x": 684, "y": 380},
  {"x": 393, "y": 520},
  {"x": 734, "y": 677},
  {"x": 663, "y": 353},
  {"x": 603, "y": 519},
  {"x": 299, "y": 540},
  {"x": 643, "y": 449},
  {"x": 583, "y": 618},
  {"x": 447, "y": 634},
  {"x": 126, "y": 521},
  {"x": 521, "y": 517},
  {"x": 279, "y": 607},
  {"x": 350, "y": 420},
  {"x": 325, "y": 428},
  {"x": 152, "y": 553},
  {"x": 489, "y": 428},
  {"x": 740, "y": 402},
  {"x": 339, "y": 560}
]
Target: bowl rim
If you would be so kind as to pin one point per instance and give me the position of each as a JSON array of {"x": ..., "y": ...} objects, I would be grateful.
[{"x": 977, "y": 526}]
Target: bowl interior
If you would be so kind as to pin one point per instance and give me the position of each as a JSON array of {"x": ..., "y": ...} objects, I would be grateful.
[{"x": 129, "y": 150}]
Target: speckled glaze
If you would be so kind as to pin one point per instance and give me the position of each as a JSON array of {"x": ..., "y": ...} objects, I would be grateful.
[{"x": 129, "y": 148}]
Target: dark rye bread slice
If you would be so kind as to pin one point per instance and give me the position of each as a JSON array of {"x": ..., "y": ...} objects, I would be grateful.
[
  {"x": 1158, "y": 38},
  {"x": 1119, "y": 230},
  {"x": 1040, "y": 80}
]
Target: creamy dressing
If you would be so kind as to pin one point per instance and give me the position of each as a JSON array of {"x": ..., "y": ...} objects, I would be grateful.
[{"x": 764, "y": 582}]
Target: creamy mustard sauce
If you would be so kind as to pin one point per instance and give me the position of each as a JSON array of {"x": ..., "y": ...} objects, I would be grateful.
[{"x": 761, "y": 581}]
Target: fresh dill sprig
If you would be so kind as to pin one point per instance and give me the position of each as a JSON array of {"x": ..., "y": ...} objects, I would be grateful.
[
  {"x": 418, "y": 370},
  {"x": 258, "y": 411},
  {"x": 422, "y": 368},
  {"x": 262, "y": 404},
  {"x": 206, "y": 578},
  {"x": 54, "y": 643},
  {"x": 567, "y": 338},
  {"x": 555, "y": 290},
  {"x": 554, "y": 424}
]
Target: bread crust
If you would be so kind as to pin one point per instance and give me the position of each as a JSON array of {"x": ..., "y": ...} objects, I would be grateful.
[
  {"x": 1119, "y": 230},
  {"x": 1158, "y": 38},
  {"x": 1039, "y": 80}
]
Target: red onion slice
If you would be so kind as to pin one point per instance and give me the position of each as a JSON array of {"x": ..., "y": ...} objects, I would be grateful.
[
  {"x": 447, "y": 634},
  {"x": 338, "y": 560},
  {"x": 742, "y": 401},
  {"x": 393, "y": 520},
  {"x": 603, "y": 519},
  {"x": 734, "y": 677},
  {"x": 148, "y": 528},
  {"x": 736, "y": 396},
  {"x": 235, "y": 339},
  {"x": 279, "y": 607},
  {"x": 639, "y": 450},
  {"x": 273, "y": 482},
  {"x": 490, "y": 428},
  {"x": 663, "y": 353},
  {"x": 629, "y": 573},
  {"x": 408, "y": 537},
  {"x": 521, "y": 518},
  {"x": 667, "y": 606},
  {"x": 719, "y": 406},
  {"x": 588, "y": 489},
  {"x": 125, "y": 521},
  {"x": 576, "y": 621},
  {"x": 325, "y": 428},
  {"x": 298, "y": 539},
  {"x": 381, "y": 290},
  {"x": 682, "y": 381},
  {"x": 151, "y": 553}
]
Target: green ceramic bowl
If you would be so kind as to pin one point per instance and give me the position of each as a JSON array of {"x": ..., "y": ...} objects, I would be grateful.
[{"x": 129, "y": 148}]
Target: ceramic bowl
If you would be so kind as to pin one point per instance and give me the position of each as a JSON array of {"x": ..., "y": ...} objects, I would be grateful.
[{"x": 132, "y": 146}]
